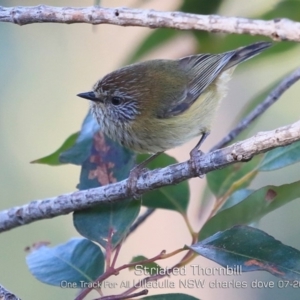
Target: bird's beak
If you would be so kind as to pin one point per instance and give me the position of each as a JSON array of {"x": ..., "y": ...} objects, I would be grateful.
[{"x": 89, "y": 96}]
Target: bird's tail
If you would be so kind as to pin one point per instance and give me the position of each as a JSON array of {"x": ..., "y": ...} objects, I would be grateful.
[{"x": 243, "y": 53}]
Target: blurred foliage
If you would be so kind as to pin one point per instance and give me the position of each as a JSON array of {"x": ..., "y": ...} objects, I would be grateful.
[
  {"x": 163, "y": 35},
  {"x": 103, "y": 162},
  {"x": 212, "y": 43}
]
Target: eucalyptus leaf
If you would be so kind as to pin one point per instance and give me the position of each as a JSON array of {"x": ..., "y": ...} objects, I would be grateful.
[
  {"x": 281, "y": 157},
  {"x": 174, "y": 197},
  {"x": 103, "y": 162},
  {"x": 246, "y": 249},
  {"x": 107, "y": 222},
  {"x": 252, "y": 208},
  {"x": 220, "y": 181},
  {"x": 150, "y": 268},
  {"x": 236, "y": 198},
  {"x": 80, "y": 151},
  {"x": 75, "y": 262},
  {"x": 53, "y": 159}
]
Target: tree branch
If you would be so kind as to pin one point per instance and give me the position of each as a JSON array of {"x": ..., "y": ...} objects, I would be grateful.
[
  {"x": 66, "y": 203},
  {"x": 273, "y": 96},
  {"x": 140, "y": 220},
  {"x": 278, "y": 29}
]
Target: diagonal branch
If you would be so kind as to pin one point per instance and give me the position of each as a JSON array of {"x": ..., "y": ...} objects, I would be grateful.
[
  {"x": 140, "y": 220},
  {"x": 66, "y": 203},
  {"x": 275, "y": 94},
  {"x": 278, "y": 29}
]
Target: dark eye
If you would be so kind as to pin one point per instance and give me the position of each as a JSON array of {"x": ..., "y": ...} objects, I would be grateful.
[{"x": 116, "y": 100}]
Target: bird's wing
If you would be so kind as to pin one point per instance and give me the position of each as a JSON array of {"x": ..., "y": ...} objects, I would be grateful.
[{"x": 202, "y": 70}]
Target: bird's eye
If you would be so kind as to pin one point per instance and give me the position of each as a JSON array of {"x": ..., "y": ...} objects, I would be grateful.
[{"x": 116, "y": 100}]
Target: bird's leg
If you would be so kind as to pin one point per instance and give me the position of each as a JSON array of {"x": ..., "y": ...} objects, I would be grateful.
[
  {"x": 136, "y": 172},
  {"x": 196, "y": 153}
]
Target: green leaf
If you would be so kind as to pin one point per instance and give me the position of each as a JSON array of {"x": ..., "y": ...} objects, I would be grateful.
[
  {"x": 103, "y": 161},
  {"x": 53, "y": 159},
  {"x": 107, "y": 162},
  {"x": 236, "y": 198},
  {"x": 170, "y": 297},
  {"x": 220, "y": 181},
  {"x": 247, "y": 249},
  {"x": 78, "y": 260},
  {"x": 281, "y": 157},
  {"x": 204, "y": 8},
  {"x": 284, "y": 9},
  {"x": 174, "y": 197},
  {"x": 81, "y": 150},
  {"x": 254, "y": 207},
  {"x": 150, "y": 268},
  {"x": 107, "y": 221}
]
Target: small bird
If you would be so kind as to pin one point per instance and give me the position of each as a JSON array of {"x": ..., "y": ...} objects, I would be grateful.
[{"x": 156, "y": 105}]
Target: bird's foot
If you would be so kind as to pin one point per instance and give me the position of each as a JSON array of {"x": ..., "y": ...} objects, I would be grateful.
[
  {"x": 195, "y": 155},
  {"x": 134, "y": 175}
]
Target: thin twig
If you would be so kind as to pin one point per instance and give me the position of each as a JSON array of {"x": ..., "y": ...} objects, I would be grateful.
[
  {"x": 279, "y": 29},
  {"x": 113, "y": 271},
  {"x": 260, "y": 109},
  {"x": 116, "y": 192},
  {"x": 120, "y": 297},
  {"x": 141, "y": 219}
]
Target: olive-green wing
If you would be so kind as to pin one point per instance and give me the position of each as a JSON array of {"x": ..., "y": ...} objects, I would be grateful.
[{"x": 201, "y": 70}]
